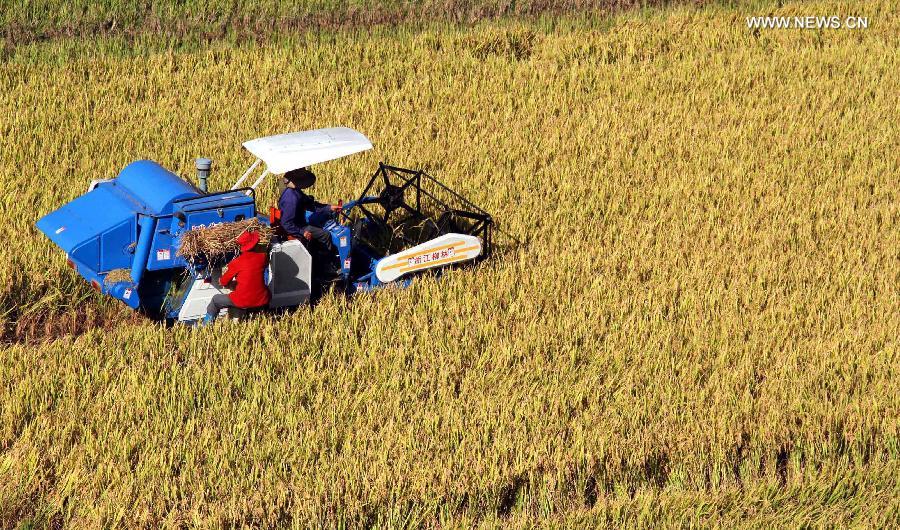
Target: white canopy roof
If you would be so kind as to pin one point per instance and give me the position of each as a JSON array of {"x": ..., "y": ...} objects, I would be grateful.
[{"x": 284, "y": 152}]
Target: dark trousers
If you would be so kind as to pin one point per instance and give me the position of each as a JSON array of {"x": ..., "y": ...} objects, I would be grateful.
[
  {"x": 218, "y": 302},
  {"x": 320, "y": 236},
  {"x": 325, "y": 262}
]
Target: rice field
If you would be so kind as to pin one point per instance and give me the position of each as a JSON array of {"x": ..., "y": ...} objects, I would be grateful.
[{"x": 693, "y": 320}]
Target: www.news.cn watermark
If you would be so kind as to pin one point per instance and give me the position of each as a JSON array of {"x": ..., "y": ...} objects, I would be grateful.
[{"x": 810, "y": 22}]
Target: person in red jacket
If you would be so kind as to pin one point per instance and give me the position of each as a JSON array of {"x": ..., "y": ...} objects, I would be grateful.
[{"x": 246, "y": 271}]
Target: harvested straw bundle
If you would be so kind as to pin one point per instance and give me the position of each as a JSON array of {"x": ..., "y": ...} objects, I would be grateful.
[
  {"x": 117, "y": 276},
  {"x": 215, "y": 241}
]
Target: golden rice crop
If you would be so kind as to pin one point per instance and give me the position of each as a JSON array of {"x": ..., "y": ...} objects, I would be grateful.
[{"x": 699, "y": 326}]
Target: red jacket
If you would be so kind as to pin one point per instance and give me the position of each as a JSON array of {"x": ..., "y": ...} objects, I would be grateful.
[{"x": 247, "y": 269}]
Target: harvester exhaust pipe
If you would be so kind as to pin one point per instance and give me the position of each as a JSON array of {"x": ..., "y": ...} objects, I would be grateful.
[{"x": 203, "y": 165}]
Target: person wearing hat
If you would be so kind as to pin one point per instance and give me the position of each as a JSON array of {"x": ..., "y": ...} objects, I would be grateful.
[
  {"x": 246, "y": 270},
  {"x": 295, "y": 205}
]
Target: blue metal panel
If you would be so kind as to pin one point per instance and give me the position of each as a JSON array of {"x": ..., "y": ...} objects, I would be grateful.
[
  {"x": 219, "y": 215},
  {"x": 87, "y": 273},
  {"x": 88, "y": 254},
  {"x": 116, "y": 246},
  {"x": 218, "y": 200},
  {"x": 162, "y": 253},
  {"x": 219, "y": 208},
  {"x": 86, "y": 218},
  {"x": 154, "y": 186},
  {"x": 342, "y": 238}
]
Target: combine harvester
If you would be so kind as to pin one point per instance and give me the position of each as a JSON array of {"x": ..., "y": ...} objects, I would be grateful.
[{"x": 403, "y": 223}]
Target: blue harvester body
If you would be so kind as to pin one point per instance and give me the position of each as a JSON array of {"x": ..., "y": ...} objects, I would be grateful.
[{"x": 134, "y": 222}]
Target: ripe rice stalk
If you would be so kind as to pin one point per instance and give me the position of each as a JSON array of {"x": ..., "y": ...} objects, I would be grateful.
[
  {"x": 216, "y": 241},
  {"x": 117, "y": 276}
]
